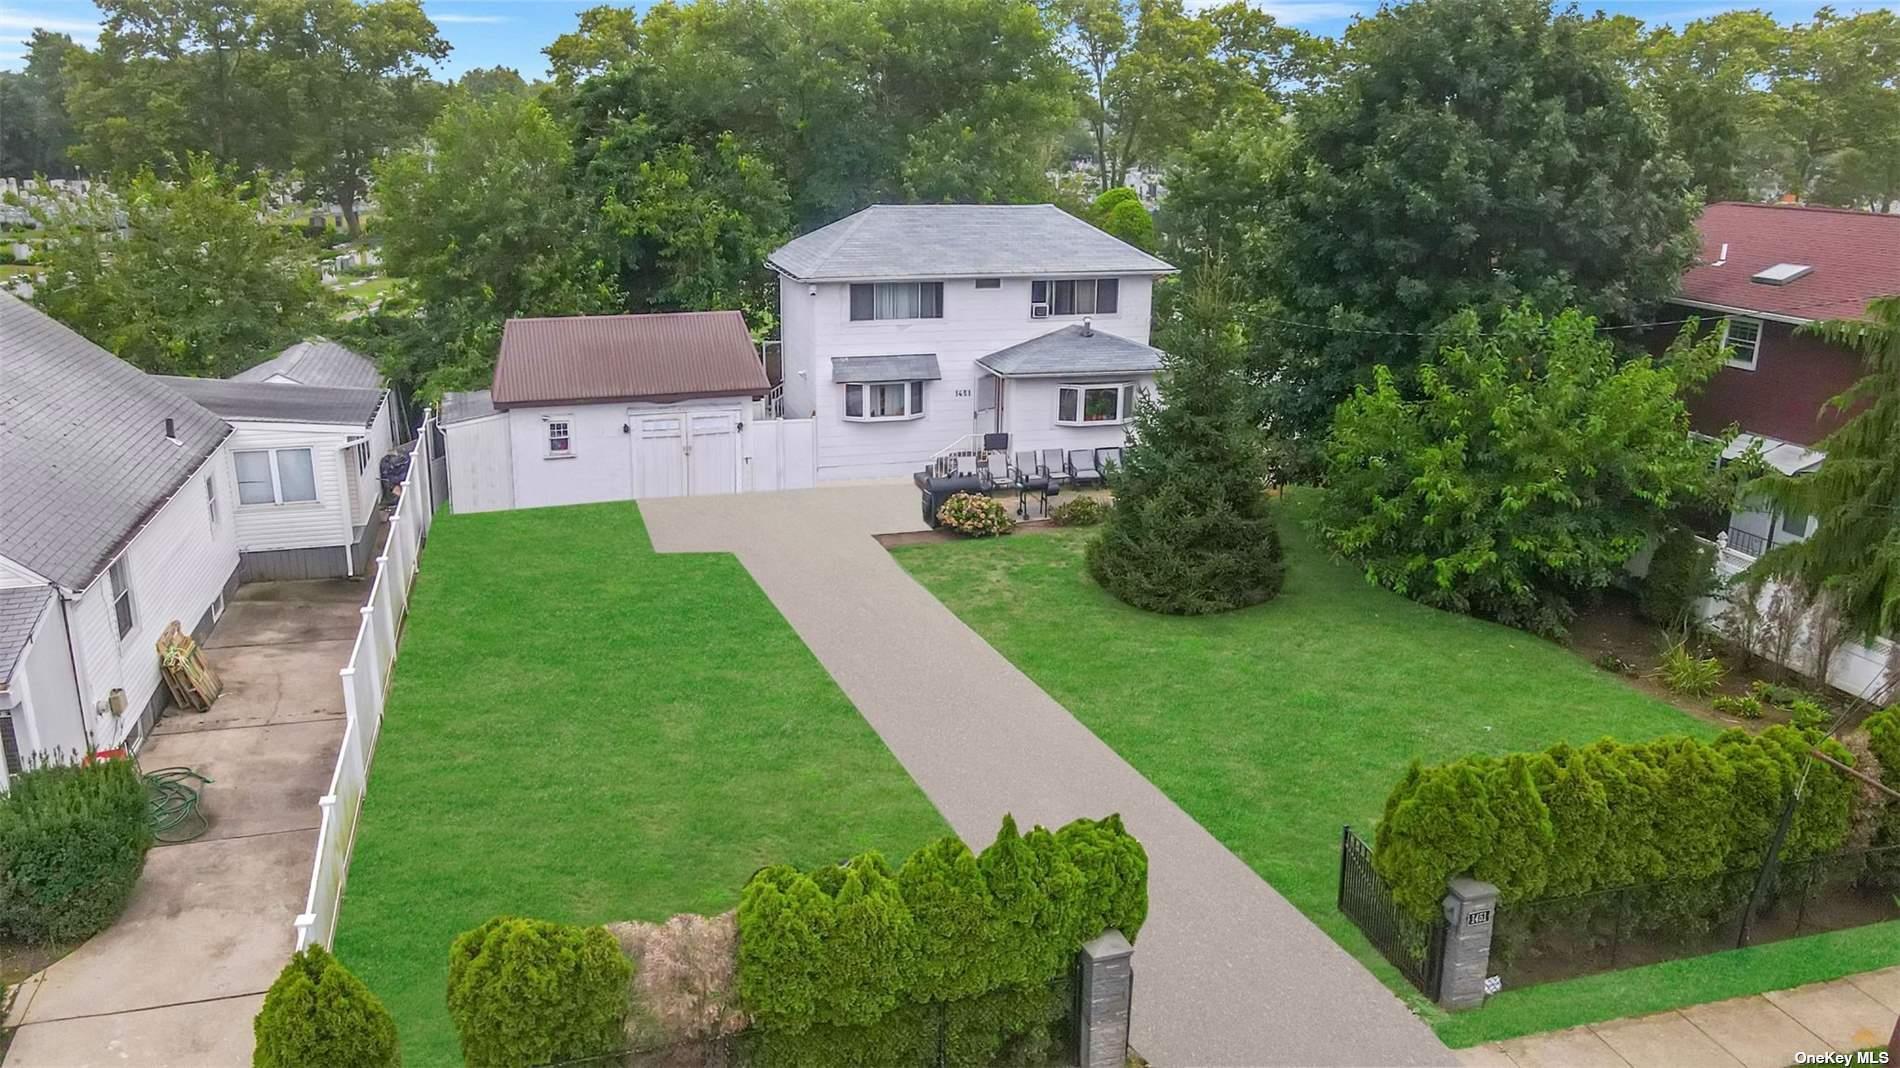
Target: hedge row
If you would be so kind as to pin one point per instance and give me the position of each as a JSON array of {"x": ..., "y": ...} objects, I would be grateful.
[
  {"x": 1573, "y": 820},
  {"x": 525, "y": 992},
  {"x": 1013, "y": 1025},
  {"x": 73, "y": 839},
  {"x": 847, "y": 945},
  {"x": 1883, "y": 741},
  {"x": 318, "y": 1012}
]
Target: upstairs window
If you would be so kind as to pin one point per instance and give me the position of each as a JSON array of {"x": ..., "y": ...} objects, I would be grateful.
[
  {"x": 1074, "y": 296},
  {"x": 121, "y": 590},
  {"x": 874, "y": 401},
  {"x": 896, "y": 300},
  {"x": 1743, "y": 338}
]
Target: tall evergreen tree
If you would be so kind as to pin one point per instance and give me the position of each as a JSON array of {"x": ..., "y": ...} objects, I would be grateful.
[{"x": 1191, "y": 532}]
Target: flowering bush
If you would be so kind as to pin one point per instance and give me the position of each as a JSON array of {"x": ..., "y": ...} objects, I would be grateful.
[
  {"x": 975, "y": 516},
  {"x": 1080, "y": 512}
]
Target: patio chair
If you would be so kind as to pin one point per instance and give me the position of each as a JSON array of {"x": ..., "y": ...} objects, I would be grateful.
[
  {"x": 1109, "y": 462},
  {"x": 966, "y": 467},
  {"x": 1081, "y": 467},
  {"x": 1052, "y": 463}
]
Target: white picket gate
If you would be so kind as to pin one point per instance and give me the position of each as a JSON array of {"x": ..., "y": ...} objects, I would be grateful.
[{"x": 365, "y": 683}]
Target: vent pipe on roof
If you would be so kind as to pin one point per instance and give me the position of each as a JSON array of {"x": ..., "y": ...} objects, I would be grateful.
[
  {"x": 1087, "y": 329},
  {"x": 170, "y": 431},
  {"x": 1723, "y": 257}
]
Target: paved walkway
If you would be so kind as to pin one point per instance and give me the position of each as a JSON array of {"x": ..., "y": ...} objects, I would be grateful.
[
  {"x": 1765, "y": 1031},
  {"x": 1227, "y": 971},
  {"x": 174, "y": 983}
]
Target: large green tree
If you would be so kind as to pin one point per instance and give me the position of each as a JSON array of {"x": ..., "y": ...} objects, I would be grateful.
[
  {"x": 355, "y": 78},
  {"x": 481, "y": 223},
  {"x": 1475, "y": 154},
  {"x": 1531, "y": 465},
  {"x": 1854, "y": 552},
  {"x": 36, "y": 135},
  {"x": 181, "y": 276},
  {"x": 1836, "y": 89},
  {"x": 1711, "y": 82}
]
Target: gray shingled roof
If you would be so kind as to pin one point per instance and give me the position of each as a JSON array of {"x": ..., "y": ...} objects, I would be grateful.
[
  {"x": 317, "y": 362},
  {"x": 19, "y": 612},
  {"x": 1069, "y": 351},
  {"x": 277, "y": 402},
  {"x": 461, "y": 407},
  {"x": 910, "y": 367},
  {"x": 83, "y": 448},
  {"x": 959, "y": 241}
]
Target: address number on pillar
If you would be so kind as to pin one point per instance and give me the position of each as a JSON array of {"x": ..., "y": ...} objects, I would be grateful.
[{"x": 1477, "y": 917}]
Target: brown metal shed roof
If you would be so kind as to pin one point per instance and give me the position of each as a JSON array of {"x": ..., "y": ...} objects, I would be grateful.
[{"x": 671, "y": 356}]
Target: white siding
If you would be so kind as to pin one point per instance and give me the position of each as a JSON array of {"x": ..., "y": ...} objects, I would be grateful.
[
  {"x": 481, "y": 465},
  {"x": 1029, "y": 413},
  {"x": 599, "y": 466},
  {"x": 797, "y": 345},
  {"x": 975, "y": 323},
  {"x": 303, "y": 525},
  {"x": 366, "y": 483},
  {"x": 177, "y": 565},
  {"x": 50, "y": 723},
  {"x": 12, "y": 575}
]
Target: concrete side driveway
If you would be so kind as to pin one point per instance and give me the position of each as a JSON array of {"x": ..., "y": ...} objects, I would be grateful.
[
  {"x": 176, "y": 980},
  {"x": 1228, "y": 971}
]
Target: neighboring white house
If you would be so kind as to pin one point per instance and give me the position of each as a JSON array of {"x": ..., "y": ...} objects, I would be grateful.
[
  {"x": 306, "y": 463},
  {"x": 116, "y": 518},
  {"x": 612, "y": 407},
  {"x": 909, "y": 330}
]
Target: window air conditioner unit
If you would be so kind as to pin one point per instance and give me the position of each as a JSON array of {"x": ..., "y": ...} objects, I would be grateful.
[{"x": 1039, "y": 310}]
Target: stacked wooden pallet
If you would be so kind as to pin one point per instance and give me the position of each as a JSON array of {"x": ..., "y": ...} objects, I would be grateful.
[{"x": 193, "y": 683}]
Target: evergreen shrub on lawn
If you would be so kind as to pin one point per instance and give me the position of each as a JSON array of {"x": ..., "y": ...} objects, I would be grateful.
[
  {"x": 853, "y": 963},
  {"x": 73, "y": 839},
  {"x": 317, "y": 1012},
  {"x": 1572, "y": 820},
  {"x": 529, "y": 992},
  {"x": 1883, "y": 743},
  {"x": 1191, "y": 532}
]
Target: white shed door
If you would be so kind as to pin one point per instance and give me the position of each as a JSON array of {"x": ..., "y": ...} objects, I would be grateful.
[
  {"x": 714, "y": 454},
  {"x": 691, "y": 453},
  {"x": 659, "y": 456}
]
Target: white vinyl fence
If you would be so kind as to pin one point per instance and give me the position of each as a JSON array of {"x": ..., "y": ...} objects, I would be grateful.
[{"x": 365, "y": 685}]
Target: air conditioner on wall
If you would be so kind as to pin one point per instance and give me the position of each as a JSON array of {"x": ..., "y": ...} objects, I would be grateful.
[{"x": 1039, "y": 310}]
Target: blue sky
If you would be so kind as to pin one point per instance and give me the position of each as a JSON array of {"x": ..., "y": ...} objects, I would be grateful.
[{"x": 511, "y": 33}]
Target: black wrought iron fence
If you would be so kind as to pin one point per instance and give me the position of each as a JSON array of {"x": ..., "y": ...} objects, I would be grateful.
[
  {"x": 1564, "y": 937},
  {"x": 1415, "y": 947}
]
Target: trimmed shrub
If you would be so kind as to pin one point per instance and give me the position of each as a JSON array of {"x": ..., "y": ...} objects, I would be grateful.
[
  {"x": 976, "y": 516},
  {"x": 73, "y": 839},
  {"x": 1571, "y": 821},
  {"x": 1808, "y": 716},
  {"x": 317, "y": 1012},
  {"x": 1080, "y": 512},
  {"x": 528, "y": 992},
  {"x": 1681, "y": 573}
]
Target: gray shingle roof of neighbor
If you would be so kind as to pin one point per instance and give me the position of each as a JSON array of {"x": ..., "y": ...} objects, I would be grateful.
[
  {"x": 959, "y": 241},
  {"x": 663, "y": 356},
  {"x": 909, "y": 367},
  {"x": 277, "y": 402},
  {"x": 461, "y": 407},
  {"x": 1070, "y": 351},
  {"x": 83, "y": 447},
  {"x": 317, "y": 362},
  {"x": 19, "y": 612}
]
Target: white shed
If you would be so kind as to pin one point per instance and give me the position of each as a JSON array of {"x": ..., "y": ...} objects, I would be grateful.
[{"x": 305, "y": 461}]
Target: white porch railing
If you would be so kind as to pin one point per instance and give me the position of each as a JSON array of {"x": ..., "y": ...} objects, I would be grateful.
[
  {"x": 772, "y": 405},
  {"x": 365, "y": 684}
]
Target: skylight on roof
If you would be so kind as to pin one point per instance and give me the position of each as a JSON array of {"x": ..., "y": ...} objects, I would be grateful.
[{"x": 1781, "y": 274}]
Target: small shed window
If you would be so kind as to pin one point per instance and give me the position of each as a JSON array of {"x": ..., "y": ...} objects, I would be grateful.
[
  {"x": 121, "y": 590},
  {"x": 560, "y": 438},
  {"x": 1743, "y": 338}
]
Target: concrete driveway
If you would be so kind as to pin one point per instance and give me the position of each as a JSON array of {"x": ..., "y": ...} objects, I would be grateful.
[
  {"x": 174, "y": 983},
  {"x": 1227, "y": 971}
]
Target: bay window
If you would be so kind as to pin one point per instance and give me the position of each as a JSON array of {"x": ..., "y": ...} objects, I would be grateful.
[
  {"x": 1097, "y": 404},
  {"x": 871, "y": 401}
]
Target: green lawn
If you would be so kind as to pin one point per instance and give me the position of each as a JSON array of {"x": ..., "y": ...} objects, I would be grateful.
[
  {"x": 1275, "y": 725},
  {"x": 584, "y": 730}
]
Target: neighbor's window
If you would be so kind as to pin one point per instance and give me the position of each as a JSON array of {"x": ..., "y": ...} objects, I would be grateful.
[
  {"x": 560, "y": 438},
  {"x": 896, "y": 300},
  {"x": 884, "y": 400},
  {"x": 275, "y": 476},
  {"x": 362, "y": 456},
  {"x": 121, "y": 589},
  {"x": 989, "y": 283},
  {"x": 1109, "y": 402},
  {"x": 1743, "y": 337},
  {"x": 1795, "y": 523},
  {"x": 211, "y": 498},
  {"x": 1074, "y": 296}
]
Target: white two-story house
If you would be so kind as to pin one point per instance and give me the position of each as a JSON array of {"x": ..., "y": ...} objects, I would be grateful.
[{"x": 910, "y": 330}]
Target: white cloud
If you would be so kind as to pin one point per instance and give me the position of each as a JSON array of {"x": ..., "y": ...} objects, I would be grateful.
[
  {"x": 27, "y": 21},
  {"x": 1296, "y": 12},
  {"x": 456, "y": 19}
]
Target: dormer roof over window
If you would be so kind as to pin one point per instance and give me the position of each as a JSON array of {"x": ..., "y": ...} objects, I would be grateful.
[{"x": 889, "y": 242}]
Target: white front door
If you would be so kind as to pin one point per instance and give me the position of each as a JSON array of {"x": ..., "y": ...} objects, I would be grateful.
[
  {"x": 712, "y": 460},
  {"x": 659, "y": 456}
]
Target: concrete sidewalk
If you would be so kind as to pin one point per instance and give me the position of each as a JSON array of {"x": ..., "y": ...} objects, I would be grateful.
[
  {"x": 1228, "y": 972},
  {"x": 175, "y": 982},
  {"x": 1770, "y": 1030}
]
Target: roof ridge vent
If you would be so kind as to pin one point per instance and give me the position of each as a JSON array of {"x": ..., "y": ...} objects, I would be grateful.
[{"x": 1781, "y": 274}]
